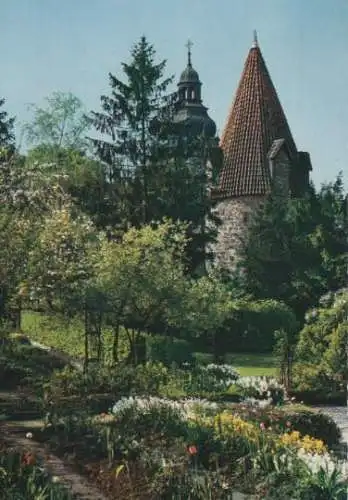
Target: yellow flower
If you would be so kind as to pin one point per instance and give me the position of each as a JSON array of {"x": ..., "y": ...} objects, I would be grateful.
[
  {"x": 309, "y": 444},
  {"x": 227, "y": 424}
]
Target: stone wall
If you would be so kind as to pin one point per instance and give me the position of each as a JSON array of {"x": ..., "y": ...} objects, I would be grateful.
[
  {"x": 280, "y": 172},
  {"x": 235, "y": 214}
]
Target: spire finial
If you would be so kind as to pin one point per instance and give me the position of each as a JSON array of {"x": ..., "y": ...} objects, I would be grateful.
[
  {"x": 189, "y": 46},
  {"x": 255, "y": 43}
]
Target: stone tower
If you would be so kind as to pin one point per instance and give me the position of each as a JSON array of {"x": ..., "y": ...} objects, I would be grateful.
[{"x": 259, "y": 156}]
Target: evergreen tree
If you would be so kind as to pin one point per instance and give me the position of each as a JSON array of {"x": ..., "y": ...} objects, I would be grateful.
[
  {"x": 152, "y": 169},
  {"x": 183, "y": 193},
  {"x": 127, "y": 148},
  {"x": 296, "y": 249},
  {"x": 7, "y": 137}
]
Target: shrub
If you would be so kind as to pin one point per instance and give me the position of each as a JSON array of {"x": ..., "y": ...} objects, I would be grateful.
[
  {"x": 262, "y": 388},
  {"x": 24, "y": 364},
  {"x": 95, "y": 391},
  {"x": 291, "y": 418},
  {"x": 317, "y": 425},
  {"x": 320, "y": 359},
  {"x": 168, "y": 351},
  {"x": 211, "y": 378},
  {"x": 252, "y": 326}
]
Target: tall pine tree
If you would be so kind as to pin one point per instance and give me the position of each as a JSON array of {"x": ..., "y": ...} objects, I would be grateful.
[
  {"x": 127, "y": 148},
  {"x": 152, "y": 169}
]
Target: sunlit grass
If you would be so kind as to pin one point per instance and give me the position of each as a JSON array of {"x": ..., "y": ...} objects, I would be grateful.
[{"x": 68, "y": 336}]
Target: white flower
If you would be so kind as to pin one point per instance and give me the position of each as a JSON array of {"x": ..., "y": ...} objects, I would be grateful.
[
  {"x": 324, "y": 461},
  {"x": 184, "y": 408},
  {"x": 261, "y": 385}
]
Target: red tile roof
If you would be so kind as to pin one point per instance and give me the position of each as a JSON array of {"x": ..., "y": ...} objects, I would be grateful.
[{"x": 256, "y": 119}]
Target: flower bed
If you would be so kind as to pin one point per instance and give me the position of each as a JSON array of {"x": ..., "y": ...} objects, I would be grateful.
[{"x": 197, "y": 442}]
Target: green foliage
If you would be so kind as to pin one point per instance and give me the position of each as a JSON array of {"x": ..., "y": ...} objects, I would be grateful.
[
  {"x": 246, "y": 325},
  {"x": 125, "y": 119},
  {"x": 22, "y": 478},
  {"x": 324, "y": 485},
  {"x": 141, "y": 279},
  {"x": 71, "y": 390},
  {"x": 7, "y": 137},
  {"x": 303, "y": 242},
  {"x": 59, "y": 265},
  {"x": 168, "y": 350},
  {"x": 28, "y": 196},
  {"x": 61, "y": 124},
  {"x": 321, "y": 356},
  {"x": 67, "y": 334},
  {"x": 21, "y": 364}
]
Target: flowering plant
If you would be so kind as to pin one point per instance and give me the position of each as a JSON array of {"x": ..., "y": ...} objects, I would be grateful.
[
  {"x": 224, "y": 375},
  {"x": 306, "y": 443},
  {"x": 264, "y": 388},
  {"x": 21, "y": 476},
  {"x": 184, "y": 408}
]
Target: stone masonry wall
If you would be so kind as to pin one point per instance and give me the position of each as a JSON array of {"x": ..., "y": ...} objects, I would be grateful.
[
  {"x": 280, "y": 173},
  {"x": 235, "y": 215}
]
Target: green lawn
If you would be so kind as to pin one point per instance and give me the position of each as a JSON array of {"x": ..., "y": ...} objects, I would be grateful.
[
  {"x": 65, "y": 335},
  {"x": 68, "y": 336},
  {"x": 54, "y": 332},
  {"x": 246, "y": 364},
  {"x": 253, "y": 364}
]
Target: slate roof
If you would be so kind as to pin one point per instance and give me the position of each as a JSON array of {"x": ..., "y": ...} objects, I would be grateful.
[{"x": 255, "y": 121}]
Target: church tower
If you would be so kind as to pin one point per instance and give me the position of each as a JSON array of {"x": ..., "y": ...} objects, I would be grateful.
[
  {"x": 191, "y": 118},
  {"x": 259, "y": 156}
]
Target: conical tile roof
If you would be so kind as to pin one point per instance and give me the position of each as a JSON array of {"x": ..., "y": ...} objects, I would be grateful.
[{"x": 256, "y": 119}]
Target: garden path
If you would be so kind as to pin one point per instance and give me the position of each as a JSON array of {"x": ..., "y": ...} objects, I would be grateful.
[{"x": 13, "y": 434}]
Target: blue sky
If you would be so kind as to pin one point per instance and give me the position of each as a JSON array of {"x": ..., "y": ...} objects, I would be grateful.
[{"x": 71, "y": 45}]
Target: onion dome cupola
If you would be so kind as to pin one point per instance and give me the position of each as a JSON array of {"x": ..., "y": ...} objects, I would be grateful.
[{"x": 191, "y": 116}]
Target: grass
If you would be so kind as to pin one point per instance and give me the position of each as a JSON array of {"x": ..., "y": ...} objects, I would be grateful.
[
  {"x": 247, "y": 364},
  {"x": 64, "y": 334},
  {"x": 253, "y": 364},
  {"x": 68, "y": 336}
]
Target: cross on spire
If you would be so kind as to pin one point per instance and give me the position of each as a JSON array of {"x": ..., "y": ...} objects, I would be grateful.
[{"x": 189, "y": 45}]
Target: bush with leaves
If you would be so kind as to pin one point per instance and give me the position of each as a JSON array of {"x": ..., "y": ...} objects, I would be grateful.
[
  {"x": 59, "y": 265},
  {"x": 321, "y": 354}
]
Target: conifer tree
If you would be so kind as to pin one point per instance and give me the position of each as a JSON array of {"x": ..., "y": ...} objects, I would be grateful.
[
  {"x": 7, "y": 137},
  {"x": 152, "y": 169},
  {"x": 296, "y": 249},
  {"x": 128, "y": 148}
]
